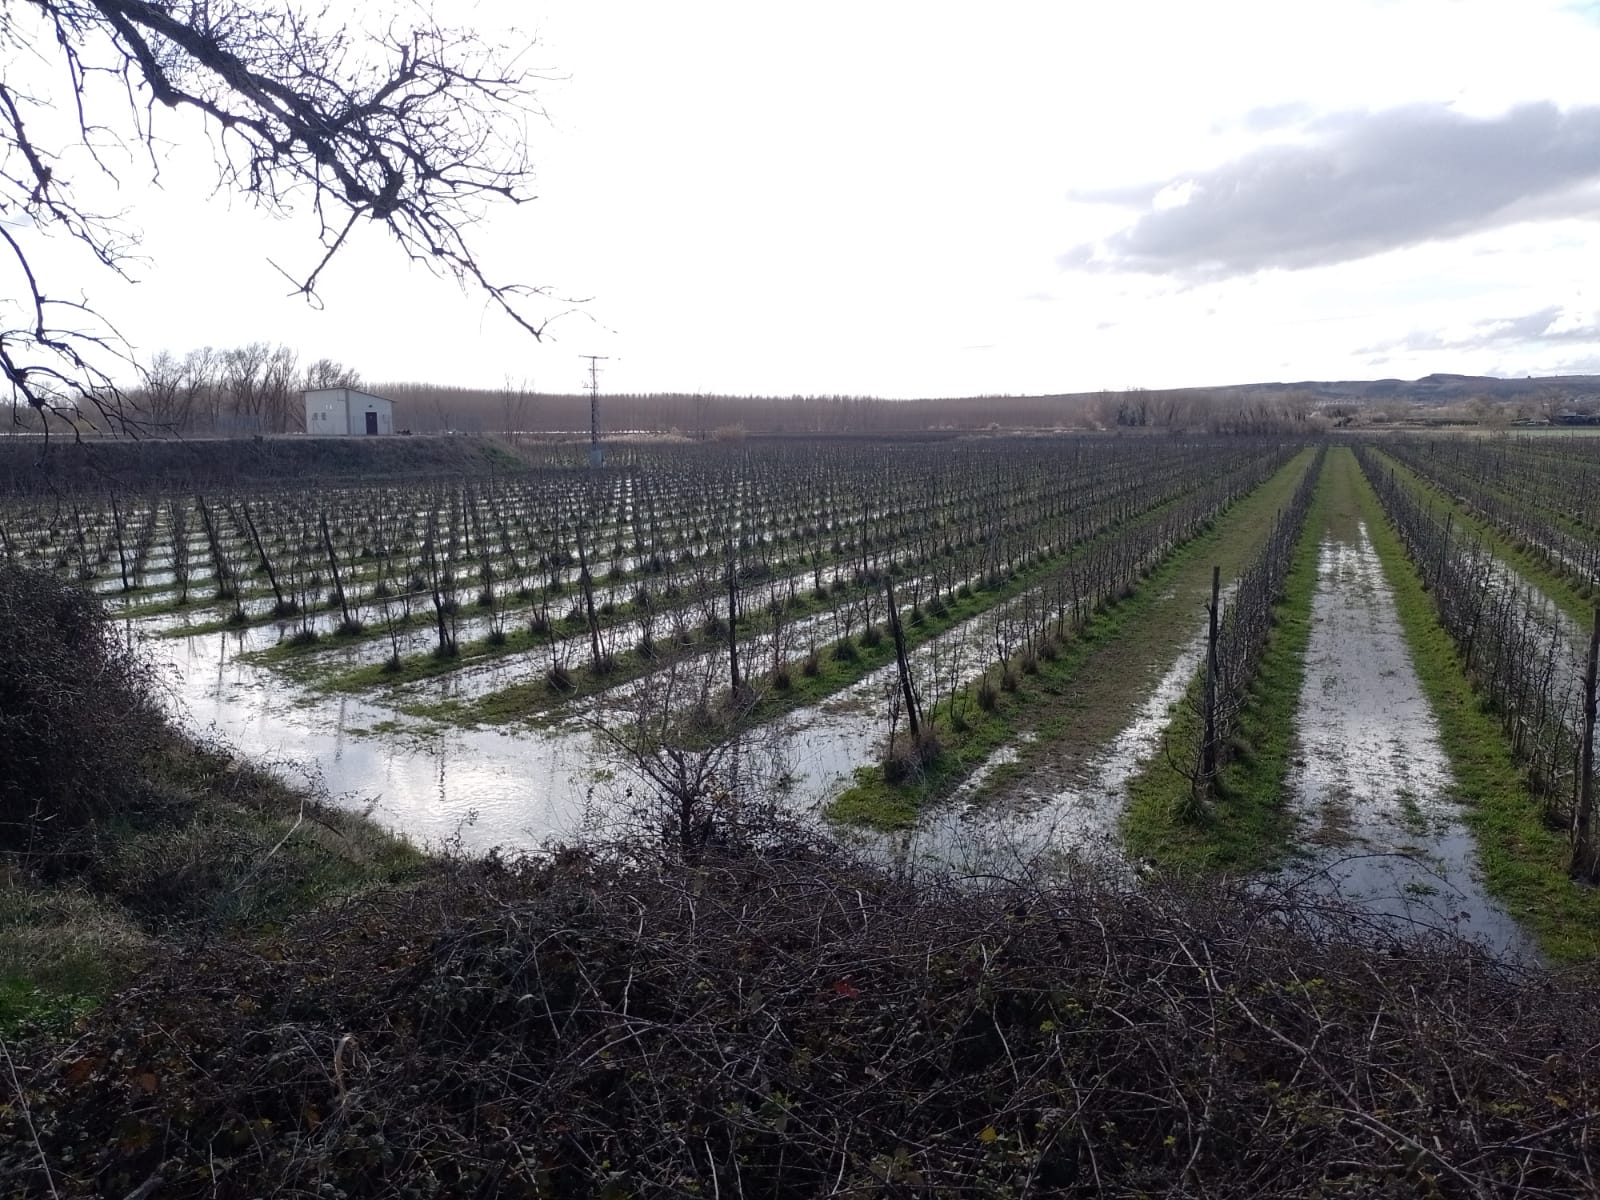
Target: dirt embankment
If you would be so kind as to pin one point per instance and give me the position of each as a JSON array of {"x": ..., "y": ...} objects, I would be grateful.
[{"x": 31, "y": 465}]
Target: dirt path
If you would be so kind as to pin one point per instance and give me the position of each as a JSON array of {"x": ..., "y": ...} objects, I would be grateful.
[{"x": 1370, "y": 786}]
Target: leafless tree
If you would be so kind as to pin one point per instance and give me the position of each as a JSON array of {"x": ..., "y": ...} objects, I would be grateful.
[
  {"x": 240, "y": 376},
  {"x": 415, "y": 125},
  {"x": 326, "y": 373},
  {"x": 200, "y": 384},
  {"x": 163, "y": 396},
  {"x": 279, "y": 391}
]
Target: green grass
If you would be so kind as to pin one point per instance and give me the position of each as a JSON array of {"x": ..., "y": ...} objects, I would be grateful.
[
  {"x": 61, "y": 950},
  {"x": 1245, "y": 826},
  {"x": 876, "y": 803},
  {"x": 1042, "y": 701},
  {"x": 216, "y": 846},
  {"x": 526, "y": 701},
  {"x": 1569, "y": 593},
  {"x": 1524, "y": 861}
]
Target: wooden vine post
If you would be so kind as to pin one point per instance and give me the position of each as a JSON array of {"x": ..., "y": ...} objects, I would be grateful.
[
  {"x": 1208, "y": 750},
  {"x": 901, "y": 662},
  {"x": 1584, "y": 860},
  {"x": 733, "y": 620}
]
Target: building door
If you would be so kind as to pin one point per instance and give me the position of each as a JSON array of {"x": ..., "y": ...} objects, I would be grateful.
[{"x": 372, "y": 422}]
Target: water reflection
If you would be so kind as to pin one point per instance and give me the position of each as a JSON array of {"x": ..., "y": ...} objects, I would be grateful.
[{"x": 1371, "y": 787}]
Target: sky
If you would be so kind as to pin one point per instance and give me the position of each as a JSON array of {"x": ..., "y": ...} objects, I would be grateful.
[{"x": 927, "y": 199}]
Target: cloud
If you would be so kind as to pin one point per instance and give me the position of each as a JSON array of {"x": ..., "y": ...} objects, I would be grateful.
[
  {"x": 1551, "y": 326},
  {"x": 1357, "y": 184},
  {"x": 1276, "y": 116}
]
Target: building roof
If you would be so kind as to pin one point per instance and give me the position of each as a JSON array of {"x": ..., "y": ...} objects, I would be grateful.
[{"x": 350, "y": 391}]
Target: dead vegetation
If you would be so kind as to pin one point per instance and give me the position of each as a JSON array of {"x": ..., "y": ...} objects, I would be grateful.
[{"x": 779, "y": 1020}]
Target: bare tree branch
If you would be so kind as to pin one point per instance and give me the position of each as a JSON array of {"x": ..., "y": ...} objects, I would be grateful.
[{"x": 417, "y": 126}]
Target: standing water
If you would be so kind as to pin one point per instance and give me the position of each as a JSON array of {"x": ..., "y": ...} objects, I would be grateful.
[{"x": 1371, "y": 787}]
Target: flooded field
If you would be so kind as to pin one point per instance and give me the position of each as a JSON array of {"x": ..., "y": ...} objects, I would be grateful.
[
  {"x": 489, "y": 787},
  {"x": 1370, "y": 786},
  {"x": 478, "y": 750}
]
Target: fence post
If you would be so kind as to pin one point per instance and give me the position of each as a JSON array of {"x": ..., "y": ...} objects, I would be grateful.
[
  {"x": 1583, "y": 857},
  {"x": 1208, "y": 752}
]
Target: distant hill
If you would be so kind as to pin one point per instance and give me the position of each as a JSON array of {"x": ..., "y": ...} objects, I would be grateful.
[{"x": 1431, "y": 389}]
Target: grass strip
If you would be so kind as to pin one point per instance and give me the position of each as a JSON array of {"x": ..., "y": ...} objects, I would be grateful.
[
  {"x": 1575, "y": 599},
  {"x": 1039, "y": 700},
  {"x": 1246, "y": 826},
  {"x": 1524, "y": 861},
  {"x": 529, "y": 700}
]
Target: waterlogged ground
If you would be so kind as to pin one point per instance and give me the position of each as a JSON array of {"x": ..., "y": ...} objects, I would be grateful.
[
  {"x": 1076, "y": 813},
  {"x": 1370, "y": 784},
  {"x": 488, "y": 787},
  {"x": 521, "y": 787}
]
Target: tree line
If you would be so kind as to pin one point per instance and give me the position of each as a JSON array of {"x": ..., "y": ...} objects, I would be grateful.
[
  {"x": 256, "y": 388},
  {"x": 252, "y": 388}
]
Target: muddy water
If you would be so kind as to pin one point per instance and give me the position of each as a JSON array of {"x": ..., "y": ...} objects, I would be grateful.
[
  {"x": 1370, "y": 786},
  {"x": 498, "y": 787},
  {"x": 489, "y": 787},
  {"x": 1061, "y": 810},
  {"x": 492, "y": 787}
]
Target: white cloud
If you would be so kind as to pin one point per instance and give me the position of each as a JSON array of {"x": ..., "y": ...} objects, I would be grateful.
[{"x": 842, "y": 197}]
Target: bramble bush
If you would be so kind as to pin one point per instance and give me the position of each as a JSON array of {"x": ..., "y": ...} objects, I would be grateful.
[{"x": 78, "y": 715}]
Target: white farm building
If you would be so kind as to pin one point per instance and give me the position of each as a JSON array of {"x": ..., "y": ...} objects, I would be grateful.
[{"x": 342, "y": 411}]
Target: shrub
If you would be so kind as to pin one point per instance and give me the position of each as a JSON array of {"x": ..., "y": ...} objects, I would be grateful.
[
  {"x": 907, "y": 756},
  {"x": 78, "y": 714},
  {"x": 812, "y": 667},
  {"x": 959, "y": 1018}
]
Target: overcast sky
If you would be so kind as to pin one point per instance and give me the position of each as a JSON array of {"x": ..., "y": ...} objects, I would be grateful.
[{"x": 923, "y": 199}]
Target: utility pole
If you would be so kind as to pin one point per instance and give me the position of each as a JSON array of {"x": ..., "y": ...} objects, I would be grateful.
[{"x": 597, "y": 454}]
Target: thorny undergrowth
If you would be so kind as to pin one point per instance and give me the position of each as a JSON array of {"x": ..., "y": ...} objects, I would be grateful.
[{"x": 784, "y": 1021}]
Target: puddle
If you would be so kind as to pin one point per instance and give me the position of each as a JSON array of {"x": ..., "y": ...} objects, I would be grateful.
[
  {"x": 490, "y": 787},
  {"x": 1370, "y": 786},
  {"x": 1057, "y": 812}
]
